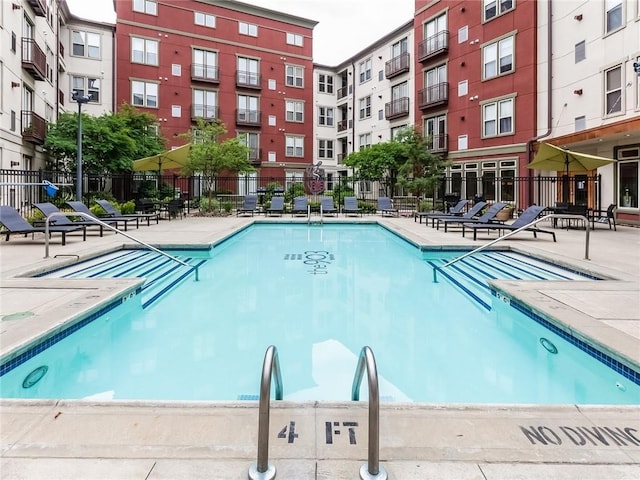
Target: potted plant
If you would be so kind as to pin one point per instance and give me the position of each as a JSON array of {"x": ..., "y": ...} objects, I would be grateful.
[{"x": 505, "y": 214}]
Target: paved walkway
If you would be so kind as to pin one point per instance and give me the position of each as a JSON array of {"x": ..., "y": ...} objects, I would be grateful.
[{"x": 140, "y": 440}]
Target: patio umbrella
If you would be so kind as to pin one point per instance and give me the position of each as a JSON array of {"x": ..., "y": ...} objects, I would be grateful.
[
  {"x": 176, "y": 158},
  {"x": 550, "y": 157}
]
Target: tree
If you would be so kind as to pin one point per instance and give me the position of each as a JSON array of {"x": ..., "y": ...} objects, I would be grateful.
[
  {"x": 110, "y": 142},
  {"x": 210, "y": 155}
]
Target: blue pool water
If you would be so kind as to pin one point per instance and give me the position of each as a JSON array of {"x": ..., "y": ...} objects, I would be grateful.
[{"x": 319, "y": 293}]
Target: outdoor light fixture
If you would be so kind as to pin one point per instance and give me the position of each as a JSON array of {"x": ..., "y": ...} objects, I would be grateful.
[{"x": 80, "y": 99}]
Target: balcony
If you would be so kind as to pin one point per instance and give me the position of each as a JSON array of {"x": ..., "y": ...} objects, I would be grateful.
[
  {"x": 433, "y": 46},
  {"x": 397, "y": 65},
  {"x": 341, "y": 157},
  {"x": 33, "y": 59},
  {"x": 255, "y": 156},
  {"x": 248, "y": 80},
  {"x": 34, "y": 127},
  {"x": 206, "y": 112},
  {"x": 434, "y": 95},
  {"x": 62, "y": 67},
  {"x": 251, "y": 118},
  {"x": 342, "y": 125},
  {"x": 342, "y": 92},
  {"x": 39, "y": 7},
  {"x": 204, "y": 73},
  {"x": 396, "y": 108},
  {"x": 439, "y": 143}
]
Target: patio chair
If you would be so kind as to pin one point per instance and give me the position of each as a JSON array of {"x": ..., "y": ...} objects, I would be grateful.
[
  {"x": 276, "y": 207},
  {"x": 525, "y": 218},
  {"x": 350, "y": 206},
  {"x": 82, "y": 208},
  {"x": 300, "y": 206},
  {"x": 112, "y": 211},
  {"x": 327, "y": 207},
  {"x": 47, "y": 208},
  {"x": 13, "y": 223},
  {"x": 386, "y": 207},
  {"x": 607, "y": 216},
  {"x": 487, "y": 217},
  {"x": 470, "y": 214},
  {"x": 249, "y": 206},
  {"x": 457, "y": 209}
]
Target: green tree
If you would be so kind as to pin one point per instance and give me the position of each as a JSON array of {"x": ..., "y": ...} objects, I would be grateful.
[{"x": 210, "y": 155}]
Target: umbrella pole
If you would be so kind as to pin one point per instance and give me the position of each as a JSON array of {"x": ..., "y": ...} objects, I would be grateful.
[{"x": 565, "y": 183}]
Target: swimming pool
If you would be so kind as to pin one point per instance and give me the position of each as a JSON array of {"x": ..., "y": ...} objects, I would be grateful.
[{"x": 319, "y": 293}]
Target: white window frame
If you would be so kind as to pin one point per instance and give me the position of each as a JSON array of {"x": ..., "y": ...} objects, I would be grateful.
[
  {"x": 83, "y": 85},
  {"x": 145, "y": 50},
  {"x": 463, "y": 88},
  {"x": 495, "y": 52},
  {"x": 611, "y": 8},
  {"x": 294, "y": 111},
  {"x": 326, "y": 116},
  {"x": 325, "y": 83},
  {"x": 248, "y": 107},
  {"x": 86, "y": 38},
  {"x": 205, "y": 63},
  {"x": 463, "y": 34},
  {"x": 204, "y": 19},
  {"x": 147, "y": 90},
  {"x": 295, "y": 39},
  {"x": 294, "y": 146},
  {"x": 505, "y": 7},
  {"x": 495, "y": 112},
  {"x": 364, "y": 107},
  {"x": 150, "y": 7},
  {"x": 364, "y": 70},
  {"x": 250, "y": 29},
  {"x": 612, "y": 89},
  {"x": 364, "y": 141},
  {"x": 294, "y": 76},
  {"x": 205, "y": 103},
  {"x": 325, "y": 148},
  {"x": 249, "y": 69}
]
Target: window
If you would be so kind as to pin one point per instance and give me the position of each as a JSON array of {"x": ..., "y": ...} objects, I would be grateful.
[
  {"x": 205, "y": 104},
  {"x": 580, "y": 53},
  {"x": 248, "y": 108},
  {"x": 497, "y": 118},
  {"x": 325, "y": 116},
  {"x": 294, "y": 76},
  {"x": 248, "y": 29},
  {"x": 325, "y": 83},
  {"x": 434, "y": 32},
  {"x": 144, "y": 94},
  {"x": 294, "y": 39},
  {"x": 294, "y": 110},
  {"x": 628, "y": 163},
  {"x": 580, "y": 123},
  {"x": 365, "y": 70},
  {"x": 85, "y": 44},
  {"x": 325, "y": 148},
  {"x": 395, "y": 131},
  {"x": 463, "y": 142},
  {"x": 463, "y": 88},
  {"x": 251, "y": 140},
  {"x": 436, "y": 130},
  {"x": 146, "y": 6},
  {"x": 205, "y": 64},
  {"x": 86, "y": 86},
  {"x": 364, "y": 141},
  {"x": 176, "y": 69},
  {"x": 491, "y": 8},
  {"x": 613, "y": 90},
  {"x": 294, "y": 146},
  {"x": 248, "y": 69},
  {"x": 176, "y": 111},
  {"x": 497, "y": 58},
  {"x": 399, "y": 48},
  {"x": 365, "y": 107},
  {"x": 463, "y": 34},
  {"x": 204, "y": 19},
  {"x": 14, "y": 42},
  {"x": 613, "y": 15},
  {"x": 144, "y": 51}
]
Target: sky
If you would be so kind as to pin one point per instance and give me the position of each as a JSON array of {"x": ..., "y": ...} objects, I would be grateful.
[{"x": 345, "y": 26}]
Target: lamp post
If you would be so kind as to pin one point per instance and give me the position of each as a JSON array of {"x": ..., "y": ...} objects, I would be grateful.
[{"x": 80, "y": 99}]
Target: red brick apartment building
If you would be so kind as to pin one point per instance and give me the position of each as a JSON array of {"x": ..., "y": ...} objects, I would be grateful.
[
  {"x": 475, "y": 76},
  {"x": 247, "y": 66}
]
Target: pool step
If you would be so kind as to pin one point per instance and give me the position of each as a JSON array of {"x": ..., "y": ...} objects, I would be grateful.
[{"x": 471, "y": 274}]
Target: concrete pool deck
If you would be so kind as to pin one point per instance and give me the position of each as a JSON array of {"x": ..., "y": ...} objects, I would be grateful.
[{"x": 141, "y": 440}]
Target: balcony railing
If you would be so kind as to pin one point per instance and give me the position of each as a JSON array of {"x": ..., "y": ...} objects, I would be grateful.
[
  {"x": 34, "y": 127},
  {"x": 437, "y": 94},
  {"x": 248, "y": 80},
  {"x": 342, "y": 125},
  {"x": 433, "y": 45},
  {"x": 207, "y": 112},
  {"x": 255, "y": 156},
  {"x": 439, "y": 143},
  {"x": 342, "y": 92},
  {"x": 39, "y": 7},
  {"x": 33, "y": 59},
  {"x": 341, "y": 157},
  {"x": 204, "y": 73},
  {"x": 396, "y": 108},
  {"x": 248, "y": 117},
  {"x": 397, "y": 65}
]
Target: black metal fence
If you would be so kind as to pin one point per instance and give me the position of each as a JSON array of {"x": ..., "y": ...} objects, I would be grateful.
[{"x": 22, "y": 188}]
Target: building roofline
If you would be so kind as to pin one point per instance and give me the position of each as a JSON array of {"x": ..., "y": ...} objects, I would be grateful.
[{"x": 262, "y": 12}]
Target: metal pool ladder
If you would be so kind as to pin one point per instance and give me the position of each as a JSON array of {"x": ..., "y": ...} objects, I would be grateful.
[
  {"x": 371, "y": 470},
  {"x": 262, "y": 469}
]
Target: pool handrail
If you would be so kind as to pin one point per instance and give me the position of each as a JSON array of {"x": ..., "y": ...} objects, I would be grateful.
[
  {"x": 110, "y": 227},
  {"x": 262, "y": 469},
  {"x": 517, "y": 230},
  {"x": 371, "y": 470}
]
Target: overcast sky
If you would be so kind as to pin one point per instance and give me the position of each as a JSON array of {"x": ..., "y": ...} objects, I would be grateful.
[{"x": 345, "y": 26}]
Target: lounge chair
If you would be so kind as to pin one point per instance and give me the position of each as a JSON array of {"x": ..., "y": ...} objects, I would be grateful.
[
  {"x": 300, "y": 206},
  {"x": 47, "y": 208},
  {"x": 112, "y": 212},
  {"x": 327, "y": 207},
  {"x": 13, "y": 223},
  {"x": 276, "y": 207},
  {"x": 486, "y": 217},
  {"x": 524, "y": 219},
  {"x": 82, "y": 208},
  {"x": 249, "y": 205},
  {"x": 470, "y": 214},
  {"x": 350, "y": 206},
  {"x": 386, "y": 207},
  {"x": 457, "y": 210}
]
